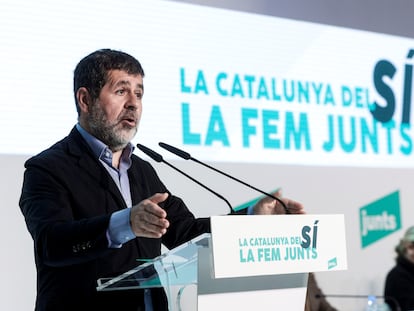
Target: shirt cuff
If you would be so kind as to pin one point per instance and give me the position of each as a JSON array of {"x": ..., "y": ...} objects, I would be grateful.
[
  {"x": 119, "y": 230},
  {"x": 250, "y": 210}
]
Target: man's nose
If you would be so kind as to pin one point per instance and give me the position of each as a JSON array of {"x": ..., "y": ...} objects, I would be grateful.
[{"x": 133, "y": 102}]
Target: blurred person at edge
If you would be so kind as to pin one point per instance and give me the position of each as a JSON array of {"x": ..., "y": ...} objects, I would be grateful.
[
  {"x": 399, "y": 283},
  {"x": 93, "y": 207},
  {"x": 315, "y": 299}
]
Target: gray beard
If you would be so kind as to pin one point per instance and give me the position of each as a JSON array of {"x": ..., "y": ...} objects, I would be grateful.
[{"x": 109, "y": 134}]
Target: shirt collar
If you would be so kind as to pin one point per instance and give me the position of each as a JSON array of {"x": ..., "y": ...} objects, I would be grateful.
[{"x": 102, "y": 151}]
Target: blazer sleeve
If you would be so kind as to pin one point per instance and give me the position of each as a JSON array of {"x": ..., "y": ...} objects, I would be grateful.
[{"x": 57, "y": 219}]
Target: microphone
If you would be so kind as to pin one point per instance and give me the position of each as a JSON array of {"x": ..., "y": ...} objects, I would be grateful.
[
  {"x": 391, "y": 299},
  {"x": 187, "y": 156},
  {"x": 158, "y": 158}
]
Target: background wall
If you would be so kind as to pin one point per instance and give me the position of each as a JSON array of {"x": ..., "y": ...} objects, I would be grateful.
[
  {"x": 323, "y": 189},
  {"x": 378, "y": 16}
]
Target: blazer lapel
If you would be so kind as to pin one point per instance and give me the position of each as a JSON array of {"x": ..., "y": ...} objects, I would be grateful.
[
  {"x": 134, "y": 179},
  {"x": 79, "y": 148}
]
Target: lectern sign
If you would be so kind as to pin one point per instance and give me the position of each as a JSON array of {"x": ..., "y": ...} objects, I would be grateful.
[{"x": 277, "y": 244}]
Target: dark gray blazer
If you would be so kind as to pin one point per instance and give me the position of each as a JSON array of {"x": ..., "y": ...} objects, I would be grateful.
[{"x": 67, "y": 199}]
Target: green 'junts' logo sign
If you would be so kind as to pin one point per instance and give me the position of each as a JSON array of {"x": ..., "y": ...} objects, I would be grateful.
[{"x": 379, "y": 219}]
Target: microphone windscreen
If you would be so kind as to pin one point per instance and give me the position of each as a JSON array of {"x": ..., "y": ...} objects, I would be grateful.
[
  {"x": 151, "y": 153},
  {"x": 176, "y": 151}
]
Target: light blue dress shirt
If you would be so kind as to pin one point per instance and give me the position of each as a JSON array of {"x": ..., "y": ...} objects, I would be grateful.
[{"x": 119, "y": 230}]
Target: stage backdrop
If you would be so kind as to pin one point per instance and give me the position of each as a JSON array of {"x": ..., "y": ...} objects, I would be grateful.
[{"x": 324, "y": 112}]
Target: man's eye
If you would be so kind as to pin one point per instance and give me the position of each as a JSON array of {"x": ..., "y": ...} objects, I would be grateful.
[
  {"x": 120, "y": 92},
  {"x": 138, "y": 95}
]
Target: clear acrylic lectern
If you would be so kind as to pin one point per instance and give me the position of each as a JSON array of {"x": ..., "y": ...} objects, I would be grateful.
[{"x": 176, "y": 268}]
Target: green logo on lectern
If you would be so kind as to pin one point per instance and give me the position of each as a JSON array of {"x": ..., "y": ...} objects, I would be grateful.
[{"x": 379, "y": 219}]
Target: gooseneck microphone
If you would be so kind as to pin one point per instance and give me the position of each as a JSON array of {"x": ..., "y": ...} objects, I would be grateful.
[
  {"x": 158, "y": 158},
  {"x": 187, "y": 156}
]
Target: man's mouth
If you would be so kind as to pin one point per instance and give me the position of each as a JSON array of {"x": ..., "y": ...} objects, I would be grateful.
[{"x": 130, "y": 121}]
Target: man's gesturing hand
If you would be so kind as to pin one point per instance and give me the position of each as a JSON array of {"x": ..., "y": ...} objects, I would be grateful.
[
  {"x": 269, "y": 206},
  {"x": 148, "y": 219}
]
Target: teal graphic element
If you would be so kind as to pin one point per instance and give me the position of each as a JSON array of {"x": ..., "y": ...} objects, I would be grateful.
[
  {"x": 379, "y": 219},
  {"x": 332, "y": 263}
]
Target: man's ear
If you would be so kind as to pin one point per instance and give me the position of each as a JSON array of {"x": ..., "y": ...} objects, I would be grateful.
[{"x": 83, "y": 98}]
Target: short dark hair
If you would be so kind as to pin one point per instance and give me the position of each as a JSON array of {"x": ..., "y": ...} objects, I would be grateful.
[{"x": 92, "y": 71}]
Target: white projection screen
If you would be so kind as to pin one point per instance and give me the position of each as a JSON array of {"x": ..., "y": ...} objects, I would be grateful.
[{"x": 313, "y": 99}]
